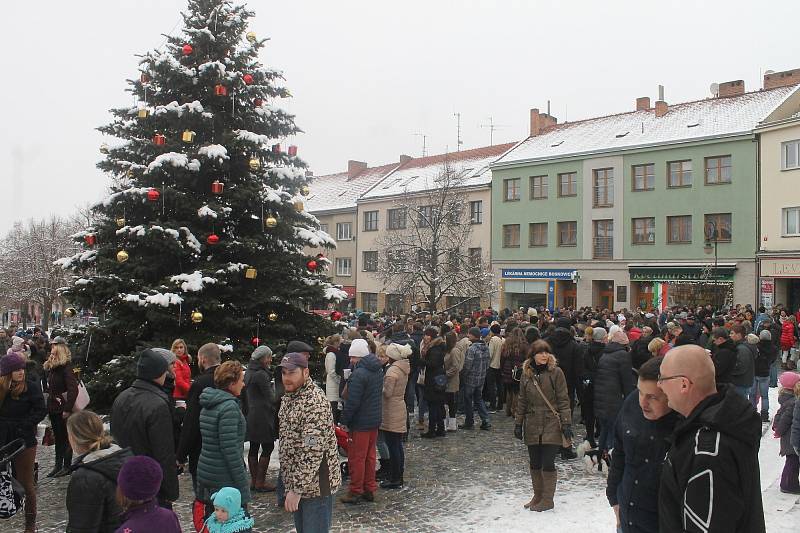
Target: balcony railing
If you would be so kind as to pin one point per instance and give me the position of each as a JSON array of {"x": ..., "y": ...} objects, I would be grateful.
[{"x": 603, "y": 248}]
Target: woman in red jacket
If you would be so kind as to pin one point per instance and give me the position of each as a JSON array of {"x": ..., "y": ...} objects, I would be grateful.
[
  {"x": 787, "y": 337},
  {"x": 183, "y": 373}
]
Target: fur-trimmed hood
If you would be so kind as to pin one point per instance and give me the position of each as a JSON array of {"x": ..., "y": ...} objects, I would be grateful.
[{"x": 551, "y": 365}]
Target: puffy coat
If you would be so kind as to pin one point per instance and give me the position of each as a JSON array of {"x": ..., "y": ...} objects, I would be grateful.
[
  {"x": 183, "y": 377},
  {"x": 454, "y": 362},
  {"x": 19, "y": 417},
  {"x": 91, "y": 505},
  {"x": 766, "y": 355},
  {"x": 640, "y": 446},
  {"x": 149, "y": 518},
  {"x": 221, "y": 464},
  {"x": 394, "y": 393},
  {"x": 259, "y": 404},
  {"x": 540, "y": 425},
  {"x": 787, "y": 336},
  {"x": 363, "y": 406},
  {"x": 434, "y": 366},
  {"x": 712, "y": 469},
  {"x": 724, "y": 357},
  {"x": 743, "y": 373},
  {"x": 191, "y": 440},
  {"x": 613, "y": 381},
  {"x": 569, "y": 355},
  {"x": 61, "y": 380},
  {"x": 591, "y": 359},
  {"x": 332, "y": 379},
  {"x": 141, "y": 419},
  {"x": 794, "y": 440},
  {"x": 783, "y": 421}
]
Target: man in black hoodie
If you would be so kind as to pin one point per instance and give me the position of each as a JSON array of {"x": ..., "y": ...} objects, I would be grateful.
[
  {"x": 723, "y": 354},
  {"x": 569, "y": 355},
  {"x": 710, "y": 481}
]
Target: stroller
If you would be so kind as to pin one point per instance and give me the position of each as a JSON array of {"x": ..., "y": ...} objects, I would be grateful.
[
  {"x": 12, "y": 494},
  {"x": 342, "y": 444}
]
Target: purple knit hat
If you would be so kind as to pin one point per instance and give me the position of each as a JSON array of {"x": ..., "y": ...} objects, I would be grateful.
[
  {"x": 11, "y": 362},
  {"x": 140, "y": 478}
]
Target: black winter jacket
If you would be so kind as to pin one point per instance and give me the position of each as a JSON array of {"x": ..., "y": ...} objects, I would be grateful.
[
  {"x": 20, "y": 417},
  {"x": 613, "y": 382},
  {"x": 591, "y": 358},
  {"x": 569, "y": 355},
  {"x": 259, "y": 404},
  {"x": 744, "y": 369},
  {"x": 190, "y": 442},
  {"x": 710, "y": 481},
  {"x": 141, "y": 419},
  {"x": 724, "y": 357},
  {"x": 434, "y": 366},
  {"x": 91, "y": 505},
  {"x": 639, "y": 352},
  {"x": 766, "y": 355},
  {"x": 635, "y": 474},
  {"x": 782, "y": 423}
]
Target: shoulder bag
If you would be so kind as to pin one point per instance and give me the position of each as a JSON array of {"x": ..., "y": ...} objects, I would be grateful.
[{"x": 565, "y": 442}]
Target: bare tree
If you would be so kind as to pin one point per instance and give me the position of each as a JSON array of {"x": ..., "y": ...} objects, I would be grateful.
[
  {"x": 429, "y": 254},
  {"x": 27, "y": 270}
]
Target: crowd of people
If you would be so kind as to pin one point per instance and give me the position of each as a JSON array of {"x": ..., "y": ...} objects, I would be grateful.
[{"x": 670, "y": 404}]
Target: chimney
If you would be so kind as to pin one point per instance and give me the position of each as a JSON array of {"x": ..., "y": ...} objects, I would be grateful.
[
  {"x": 405, "y": 159},
  {"x": 540, "y": 122},
  {"x": 661, "y": 108},
  {"x": 731, "y": 88},
  {"x": 643, "y": 103},
  {"x": 354, "y": 168},
  {"x": 781, "y": 79}
]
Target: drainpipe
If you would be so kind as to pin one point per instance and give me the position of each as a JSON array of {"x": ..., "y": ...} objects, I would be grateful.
[{"x": 757, "y": 300}]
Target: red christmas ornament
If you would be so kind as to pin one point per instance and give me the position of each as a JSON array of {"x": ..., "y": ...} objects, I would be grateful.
[
  {"x": 311, "y": 265},
  {"x": 255, "y": 341},
  {"x": 159, "y": 140},
  {"x": 187, "y": 49},
  {"x": 217, "y": 187},
  {"x": 258, "y": 102},
  {"x": 336, "y": 315},
  {"x": 89, "y": 239},
  {"x": 153, "y": 195},
  {"x": 292, "y": 151},
  {"x": 248, "y": 79},
  {"x": 220, "y": 90},
  {"x": 212, "y": 239},
  {"x": 276, "y": 148}
]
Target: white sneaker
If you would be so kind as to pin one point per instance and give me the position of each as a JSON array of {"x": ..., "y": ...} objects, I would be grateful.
[{"x": 452, "y": 424}]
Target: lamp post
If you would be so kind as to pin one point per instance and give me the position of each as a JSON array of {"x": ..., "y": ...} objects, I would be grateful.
[{"x": 712, "y": 238}]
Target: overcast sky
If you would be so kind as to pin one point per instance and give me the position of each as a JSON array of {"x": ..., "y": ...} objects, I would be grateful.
[{"x": 367, "y": 75}]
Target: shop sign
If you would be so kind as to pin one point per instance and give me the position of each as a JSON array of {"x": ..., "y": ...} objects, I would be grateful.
[
  {"x": 781, "y": 268},
  {"x": 530, "y": 273},
  {"x": 681, "y": 274},
  {"x": 768, "y": 292}
]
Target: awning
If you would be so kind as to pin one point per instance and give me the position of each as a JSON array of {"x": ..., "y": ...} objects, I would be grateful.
[{"x": 677, "y": 272}]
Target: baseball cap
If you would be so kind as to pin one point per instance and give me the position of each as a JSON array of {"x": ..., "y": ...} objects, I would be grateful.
[{"x": 294, "y": 360}]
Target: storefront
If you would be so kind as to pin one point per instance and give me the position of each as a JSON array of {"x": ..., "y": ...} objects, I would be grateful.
[
  {"x": 527, "y": 287},
  {"x": 779, "y": 281},
  {"x": 657, "y": 286}
]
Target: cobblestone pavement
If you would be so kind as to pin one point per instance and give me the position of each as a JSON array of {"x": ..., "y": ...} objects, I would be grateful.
[{"x": 447, "y": 479}]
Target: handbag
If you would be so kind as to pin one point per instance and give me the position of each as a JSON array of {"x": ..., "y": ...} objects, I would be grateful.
[
  {"x": 516, "y": 373},
  {"x": 49, "y": 439},
  {"x": 82, "y": 400},
  {"x": 12, "y": 494},
  {"x": 565, "y": 442},
  {"x": 440, "y": 382}
]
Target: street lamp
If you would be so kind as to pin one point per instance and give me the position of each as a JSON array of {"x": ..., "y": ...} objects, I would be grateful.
[{"x": 711, "y": 242}]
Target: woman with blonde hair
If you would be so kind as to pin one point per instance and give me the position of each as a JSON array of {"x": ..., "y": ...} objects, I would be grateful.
[
  {"x": 21, "y": 410},
  {"x": 655, "y": 346},
  {"x": 91, "y": 505},
  {"x": 183, "y": 372},
  {"x": 62, "y": 388}
]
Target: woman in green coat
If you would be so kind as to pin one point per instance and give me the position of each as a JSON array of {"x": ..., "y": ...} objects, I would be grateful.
[{"x": 223, "y": 429}]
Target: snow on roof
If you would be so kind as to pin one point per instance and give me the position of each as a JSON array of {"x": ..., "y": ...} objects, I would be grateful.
[
  {"x": 336, "y": 191},
  {"x": 419, "y": 174},
  {"x": 684, "y": 122}
]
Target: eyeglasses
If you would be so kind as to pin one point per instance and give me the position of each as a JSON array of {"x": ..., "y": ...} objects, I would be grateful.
[{"x": 662, "y": 379}]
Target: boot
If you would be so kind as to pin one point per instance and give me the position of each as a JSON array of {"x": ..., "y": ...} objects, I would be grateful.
[
  {"x": 59, "y": 464},
  {"x": 252, "y": 467},
  {"x": 536, "y": 482},
  {"x": 65, "y": 471},
  {"x": 383, "y": 471},
  {"x": 262, "y": 485},
  {"x": 548, "y": 491},
  {"x": 351, "y": 498},
  {"x": 429, "y": 434},
  {"x": 368, "y": 496},
  {"x": 567, "y": 454},
  {"x": 765, "y": 416}
]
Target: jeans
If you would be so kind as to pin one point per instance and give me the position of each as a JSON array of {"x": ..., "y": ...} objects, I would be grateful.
[
  {"x": 494, "y": 388},
  {"x": 361, "y": 461},
  {"x": 383, "y": 449},
  {"x": 773, "y": 373},
  {"x": 606, "y": 434},
  {"x": 760, "y": 388},
  {"x": 423, "y": 405},
  {"x": 472, "y": 395},
  {"x": 744, "y": 391},
  {"x": 314, "y": 515},
  {"x": 411, "y": 392},
  {"x": 397, "y": 455}
]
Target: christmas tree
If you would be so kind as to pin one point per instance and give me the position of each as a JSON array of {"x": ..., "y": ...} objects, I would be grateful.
[{"x": 203, "y": 235}]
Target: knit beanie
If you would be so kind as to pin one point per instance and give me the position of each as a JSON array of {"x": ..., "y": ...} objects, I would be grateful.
[
  {"x": 398, "y": 351},
  {"x": 765, "y": 335},
  {"x": 787, "y": 380},
  {"x": 599, "y": 334},
  {"x": 11, "y": 363},
  {"x": 150, "y": 365},
  {"x": 228, "y": 498},
  {"x": 358, "y": 348},
  {"x": 140, "y": 477},
  {"x": 563, "y": 322},
  {"x": 752, "y": 338},
  {"x": 260, "y": 352},
  {"x": 618, "y": 336},
  {"x": 168, "y": 355}
]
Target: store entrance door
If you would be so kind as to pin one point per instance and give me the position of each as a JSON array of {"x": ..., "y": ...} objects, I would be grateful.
[
  {"x": 605, "y": 293},
  {"x": 518, "y": 300}
]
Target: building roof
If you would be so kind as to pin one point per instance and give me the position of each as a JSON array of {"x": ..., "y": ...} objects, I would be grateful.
[
  {"x": 684, "y": 122},
  {"x": 418, "y": 174},
  {"x": 336, "y": 191}
]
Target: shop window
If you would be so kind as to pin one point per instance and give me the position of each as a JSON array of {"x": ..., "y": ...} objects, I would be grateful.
[
  {"x": 369, "y": 302},
  {"x": 679, "y": 229}
]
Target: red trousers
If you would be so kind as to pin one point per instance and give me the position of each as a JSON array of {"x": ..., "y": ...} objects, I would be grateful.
[{"x": 361, "y": 461}]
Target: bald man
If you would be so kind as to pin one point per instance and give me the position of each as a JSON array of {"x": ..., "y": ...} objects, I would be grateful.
[{"x": 710, "y": 481}]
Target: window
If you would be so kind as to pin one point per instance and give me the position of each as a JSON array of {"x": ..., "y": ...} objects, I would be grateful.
[
  {"x": 423, "y": 259},
  {"x": 476, "y": 212},
  {"x": 369, "y": 301},
  {"x": 344, "y": 231},
  {"x": 396, "y": 218},
  {"x": 791, "y": 221},
  {"x": 790, "y": 155},
  {"x": 568, "y": 184},
  {"x": 603, "y": 243},
  {"x": 394, "y": 303},
  {"x": 644, "y": 230},
  {"x": 568, "y": 233},
  {"x": 396, "y": 261},
  {"x": 679, "y": 173},
  {"x": 475, "y": 256},
  {"x": 511, "y": 190},
  {"x": 679, "y": 229},
  {"x": 718, "y": 170},
  {"x": 538, "y": 187},
  {"x": 718, "y": 226},
  {"x": 537, "y": 234},
  {"x": 370, "y": 261},
  {"x": 511, "y": 236},
  {"x": 603, "y": 191},
  {"x": 370, "y": 221},
  {"x": 343, "y": 265},
  {"x": 425, "y": 216},
  {"x": 644, "y": 177},
  {"x": 323, "y": 227}
]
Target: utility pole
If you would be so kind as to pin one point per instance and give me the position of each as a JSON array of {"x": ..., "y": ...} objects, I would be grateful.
[
  {"x": 458, "y": 128},
  {"x": 492, "y": 126},
  {"x": 424, "y": 141}
]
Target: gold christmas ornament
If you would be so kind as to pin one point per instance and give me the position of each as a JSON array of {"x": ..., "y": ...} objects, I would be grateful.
[
  {"x": 255, "y": 163},
  {"x": 271, "y": 221},
  {"x": 250, "y": 273},
  {"x": 273, "y": 316},
  {"x": 321, "y": 341},
  {"x": 251, "y": 36},
  {"x": 298, "y": 206},
  {"x": 122, "y": 256},
  {"x": 129, "y": 173},
  {"x": 197, "y": 317},
  {"x": 305, "y": 190},
  {"x": 120, "y": 222},
  {"x": 104, "y": 148},
  {"x": 70, "y": 312},
  {"x": 143, "y": 112},
  {"x": 188, "y": 136}
]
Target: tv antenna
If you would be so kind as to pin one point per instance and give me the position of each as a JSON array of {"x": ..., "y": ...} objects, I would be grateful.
[
  {"x": 458, "y": 128},
  {"x": 424, "y": 142},
  {"x": 492, "y": 126}
]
